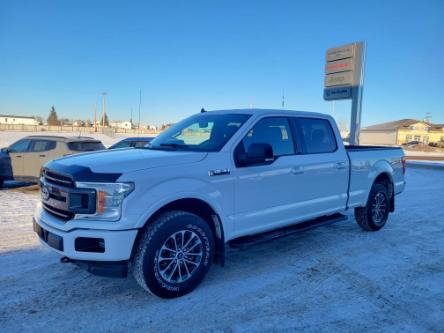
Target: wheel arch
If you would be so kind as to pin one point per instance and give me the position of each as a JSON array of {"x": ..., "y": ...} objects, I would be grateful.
[
  {"x": 386, "y": 179},
  {"x": 202, "y": 209}
]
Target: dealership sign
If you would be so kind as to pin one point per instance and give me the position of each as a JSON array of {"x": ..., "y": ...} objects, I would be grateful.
[
  {"x": 344, "y": 79},
  {"x": 342, "y": 71}
]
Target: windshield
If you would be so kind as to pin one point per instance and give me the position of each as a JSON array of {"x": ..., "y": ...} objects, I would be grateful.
[
  {"x": 85, "y": 145},
  {"x": 202, "y": 132}
]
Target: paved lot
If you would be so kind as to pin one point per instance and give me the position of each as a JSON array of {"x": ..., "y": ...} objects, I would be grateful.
[{"x": 336, "y": 278}]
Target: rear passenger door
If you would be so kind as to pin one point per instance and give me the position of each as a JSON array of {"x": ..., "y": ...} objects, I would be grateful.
[
  {"x": 323, "y": 166},
  {"x": 40, "y": 152}
]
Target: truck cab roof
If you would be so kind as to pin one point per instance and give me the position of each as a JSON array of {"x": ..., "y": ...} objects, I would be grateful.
[{"x": 256, "y": 111}]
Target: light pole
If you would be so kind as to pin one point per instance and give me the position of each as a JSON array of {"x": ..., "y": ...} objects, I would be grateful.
[
  {"x": 95, "y": 117},
  {"x": 140, "y": 104},
  {"x": 103, "y": 108}
]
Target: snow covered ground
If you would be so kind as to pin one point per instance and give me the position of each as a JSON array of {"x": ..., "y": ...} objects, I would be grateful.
[{"x": 337, "y": 278}]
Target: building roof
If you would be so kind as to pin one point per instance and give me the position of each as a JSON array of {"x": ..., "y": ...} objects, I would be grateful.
[
  {"x": 12, "y": 116},
  {"x": 437, "y": 127},
  {"x": 392, "y": 125}
]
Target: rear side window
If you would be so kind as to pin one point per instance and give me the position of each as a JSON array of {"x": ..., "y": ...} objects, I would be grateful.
[
  {"x": 85, "y": 146},
  {"x": 274, "y": 131},
  {"x": 317, "y": 135},
  {"x": 42, "y": 145}
]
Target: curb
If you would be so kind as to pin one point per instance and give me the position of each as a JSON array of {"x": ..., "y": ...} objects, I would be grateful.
[{"x": 423, "y": 165}]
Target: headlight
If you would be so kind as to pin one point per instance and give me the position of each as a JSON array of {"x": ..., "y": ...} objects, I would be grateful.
[{"x": 109, "y": 199}]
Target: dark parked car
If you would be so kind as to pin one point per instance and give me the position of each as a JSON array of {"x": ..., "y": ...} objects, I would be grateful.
[
  {"x": 131, "y": 142},
  {"x": 439, "y": 144},
  {"x": 411, "y": 143}
]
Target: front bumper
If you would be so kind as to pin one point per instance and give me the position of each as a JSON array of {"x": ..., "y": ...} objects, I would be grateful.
[{"x": 79, "y": 244}]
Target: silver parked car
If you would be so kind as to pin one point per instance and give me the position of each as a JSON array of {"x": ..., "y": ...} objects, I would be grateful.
[{"x": 23, "y": 159}]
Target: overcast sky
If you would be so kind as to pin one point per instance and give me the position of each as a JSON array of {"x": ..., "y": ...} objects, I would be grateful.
[{"x": 186, "y": 55}]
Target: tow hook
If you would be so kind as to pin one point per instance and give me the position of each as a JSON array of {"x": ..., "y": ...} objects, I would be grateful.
[{"x": 65, "y": 260}]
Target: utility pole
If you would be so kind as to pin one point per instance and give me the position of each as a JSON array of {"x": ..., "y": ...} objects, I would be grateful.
[
  {"x": 140, "y": 104},
  {"x": 428, "y": 118},
  {"x": 95, "y": 117},
  {"x": 103, "y": 108},
  {"x": 283, "y": 99}
]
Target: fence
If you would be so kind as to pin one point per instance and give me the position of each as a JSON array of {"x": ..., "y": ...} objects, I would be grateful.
[{"x": 110, "y": 131}]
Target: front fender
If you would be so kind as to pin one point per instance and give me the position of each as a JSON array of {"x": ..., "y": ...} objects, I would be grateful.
[{"x": 181, "y": 188}]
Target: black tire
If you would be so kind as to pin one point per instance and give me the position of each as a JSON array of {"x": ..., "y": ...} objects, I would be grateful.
[
  {"x": 1, "y": 182},
  {"x": 367, "y": 217},
  {"x": 151, "y": 267}
]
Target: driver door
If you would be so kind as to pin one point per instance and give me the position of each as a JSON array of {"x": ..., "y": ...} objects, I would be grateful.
[
  {"x": 17, "y": 153},
  {"x": 265, "y": 193}
]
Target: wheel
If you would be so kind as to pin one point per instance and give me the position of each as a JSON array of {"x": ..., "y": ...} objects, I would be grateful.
[
  {"x": 1, "y": 182},
  {"x": 174, "y": 254},
  {"x": 374, "y": 215}
]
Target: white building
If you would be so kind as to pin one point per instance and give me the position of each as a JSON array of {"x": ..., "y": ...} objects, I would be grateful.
[
  {"x": 121, "y": 124},
  {"x": 17, "y": 120}
]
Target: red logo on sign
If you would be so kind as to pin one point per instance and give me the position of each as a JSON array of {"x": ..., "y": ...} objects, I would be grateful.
[{"x": 337, "y": 66}]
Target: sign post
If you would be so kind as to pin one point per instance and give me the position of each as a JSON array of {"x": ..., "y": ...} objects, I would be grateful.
[{"x": 344, "y": 79}]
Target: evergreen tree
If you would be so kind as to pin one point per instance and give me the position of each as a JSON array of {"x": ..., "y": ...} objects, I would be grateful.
[
  {"x": 53, "y": 120},
  {"x": 106, "y": 120}
]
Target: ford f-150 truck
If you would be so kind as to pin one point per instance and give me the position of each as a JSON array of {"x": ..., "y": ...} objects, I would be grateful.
[{"x": 167, "y": 210}]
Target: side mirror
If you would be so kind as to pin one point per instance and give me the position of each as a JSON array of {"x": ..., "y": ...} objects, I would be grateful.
[
  {"x": 5, "y": 150},
  {"x": 258, "y": 153}
]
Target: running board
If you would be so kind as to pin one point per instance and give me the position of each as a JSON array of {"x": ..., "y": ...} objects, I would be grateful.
[{"x": 246, "y": 241}]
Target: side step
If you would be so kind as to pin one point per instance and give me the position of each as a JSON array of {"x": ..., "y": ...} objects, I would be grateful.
[{"x": 246, "y": 241}]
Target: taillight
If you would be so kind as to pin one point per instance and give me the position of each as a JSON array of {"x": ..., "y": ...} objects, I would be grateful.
[{"x": 404, "y": 164}]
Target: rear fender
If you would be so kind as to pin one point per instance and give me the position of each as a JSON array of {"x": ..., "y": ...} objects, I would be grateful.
[{"x": 380, "y": 167}]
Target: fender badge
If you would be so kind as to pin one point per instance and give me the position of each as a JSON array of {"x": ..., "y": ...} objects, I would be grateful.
[{"x": 218, "y": 172}]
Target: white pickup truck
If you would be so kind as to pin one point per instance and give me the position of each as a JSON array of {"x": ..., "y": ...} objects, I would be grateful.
[{"x": 167, "y": 210}]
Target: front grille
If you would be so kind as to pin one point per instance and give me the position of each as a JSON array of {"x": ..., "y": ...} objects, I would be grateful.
[
  {"x": 60, "y": 213},
  {"x": 57, "y": 178},
  {"x": 61, "y": 199}
]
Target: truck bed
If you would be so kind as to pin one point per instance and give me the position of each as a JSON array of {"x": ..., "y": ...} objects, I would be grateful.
[
  {"x": 366, "y": 162},
  {"x": 359, "y": 148}
]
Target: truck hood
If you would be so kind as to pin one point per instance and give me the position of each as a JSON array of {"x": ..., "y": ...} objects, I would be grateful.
[{"x": 119, "y": 161}]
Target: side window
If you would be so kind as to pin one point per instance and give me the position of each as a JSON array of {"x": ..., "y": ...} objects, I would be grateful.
[
  {"x": 20, "y": 146},
  {"x": 317, "y": 135},
  {"x": 139, "y": 144},
  {"x": 274, "y": 131},
  {"x": 42, "y": 145}
]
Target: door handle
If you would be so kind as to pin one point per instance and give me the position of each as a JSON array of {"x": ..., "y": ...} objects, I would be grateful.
[
  {"x": 42, "y": 155},
  {"x": 19, "y": 156},
  {"x": 297, "y": 171},
  {"x": 341, "y": 165}
]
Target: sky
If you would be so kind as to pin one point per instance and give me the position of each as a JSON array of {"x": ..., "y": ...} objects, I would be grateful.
[{"x": 188, "y": 55}]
